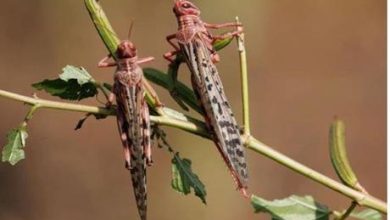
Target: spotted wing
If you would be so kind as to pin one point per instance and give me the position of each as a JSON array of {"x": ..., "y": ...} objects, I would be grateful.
[
  {"x": 219, "y": 116},
  {"x": 132, "y": 103}
]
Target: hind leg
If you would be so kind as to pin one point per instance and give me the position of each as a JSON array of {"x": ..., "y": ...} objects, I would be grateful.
[
  {"x": 146, "y": 134},
  {"x": 124, "y": 139}
]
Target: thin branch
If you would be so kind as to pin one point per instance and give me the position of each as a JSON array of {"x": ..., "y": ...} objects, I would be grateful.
[
  {"x": 361, "y": 198},
  {"x": 244, "y": 80},
  {"x": 56, "y": 105},
  {"x": 30, "y": 113},
  {"x": 349, "y": 210},
  {"x": 186, "y": 123},
  {"x": 104, "y": 90}
]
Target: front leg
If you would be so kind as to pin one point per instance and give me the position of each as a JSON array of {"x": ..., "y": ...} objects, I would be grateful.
[
  {"x": 218, "y": 26},
  {"x": 174, "y": 65},
  {"x": 106, "y": 63},
  {"x": 169, "y": 55},
  {"x": 170, "y": 38},
  {"x": 145, "y": 60},
  {"x": 227, "y": 35}
]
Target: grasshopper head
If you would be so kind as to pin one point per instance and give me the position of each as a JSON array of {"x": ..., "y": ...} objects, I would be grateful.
[
  {"x": 184, "y": 7},
  {"x": 126, "y": 49}
]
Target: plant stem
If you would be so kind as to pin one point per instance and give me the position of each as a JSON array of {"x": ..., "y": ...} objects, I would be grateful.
[
  {"x": 191, "y": 125},
  {"x": 56, "y": 105},
  {"x": 103, "y": 27},
  {"x": 104, "y": 90},
  {"x": 361, "y": 198},
  {"x": 30, "y": 113},
  {"x": 349, "y": 210},
  {"x": 244, "y": 79}
]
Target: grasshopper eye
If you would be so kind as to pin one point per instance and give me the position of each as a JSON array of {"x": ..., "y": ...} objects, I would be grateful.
[{"x": 186, "y": 5}]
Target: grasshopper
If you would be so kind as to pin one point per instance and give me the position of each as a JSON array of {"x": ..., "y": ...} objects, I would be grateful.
[
  {"x": 194, "y": 42},
  {"x": 132, "y": 115}
]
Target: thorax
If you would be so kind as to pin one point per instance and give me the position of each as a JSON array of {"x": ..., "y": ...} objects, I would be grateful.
[
  {"x": 189, "y": 26},
  {"x": 128, "y": 72}
]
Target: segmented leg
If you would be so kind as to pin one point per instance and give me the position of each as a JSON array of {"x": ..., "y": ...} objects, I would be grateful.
[
  {"x": 214, "y": 55},
  {"x": 123, "y": 131},
  {"x": 169, "y": 56},
  {"x": 145, "y": 60},
  {"x": 146, "y": 134},
  {"x": 110, "y": 100},
  {"x": 218, "y": 26},
  {"x": 152, "y": 92},
  {"x": 206, "y": 36},
  {"x": 170, "y": 38},
  {"x": 123, "y": 128},
  {"x": 227, "y": 35},
  {"x": 105, "y": 62},
  {"x": 215, "y": 58}
]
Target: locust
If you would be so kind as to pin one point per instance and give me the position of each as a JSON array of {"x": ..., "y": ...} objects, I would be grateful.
[
  {"x": 132, "y": 115},
  {"x": 194, "y": 41}
]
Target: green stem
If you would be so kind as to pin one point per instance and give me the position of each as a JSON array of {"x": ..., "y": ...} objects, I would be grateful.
[
  {"x": 104, "y": 90},
  {"x": 103, "y": 26},
  {"x": 29, "y": 115},
  {"x": 31, "y": 112},
  {"x": 194, "y": 126},
  {"x": 56, "y": 105},
  {"x": 244, "y": 79},
  {"x": 361, "y": 198}
]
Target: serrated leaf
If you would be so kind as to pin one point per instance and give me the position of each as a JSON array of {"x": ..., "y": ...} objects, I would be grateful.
[
  {"x": 74, "y": 84},
  {"x": 183, "y": 179},
  {"x": 79, "y": 73},
  {"x": 13, "y": 150},
  {"x": 291, "y": 208},
  {"x": 367, "y": 214}
]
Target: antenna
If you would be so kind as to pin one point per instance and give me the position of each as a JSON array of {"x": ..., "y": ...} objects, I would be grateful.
[{"x": 130, "y": 29}]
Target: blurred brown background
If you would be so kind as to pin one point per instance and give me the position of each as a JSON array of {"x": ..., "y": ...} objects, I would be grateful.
[{"x": 308, "y": 61}]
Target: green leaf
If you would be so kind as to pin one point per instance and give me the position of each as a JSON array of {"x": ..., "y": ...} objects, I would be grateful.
[
  {"x": 291, "y": 208},
  {"x": 183, "y": 92},
  {"x": 339, "y": 157},
  {"x": 183, "y": 178},
  {"x": 16, "y": 140},
  {"x": 367, "y": 214},
  {"x": 79, "y": 73},
  {"x": 73, "y": 84},
  {"x": 220, "y": 44}
]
